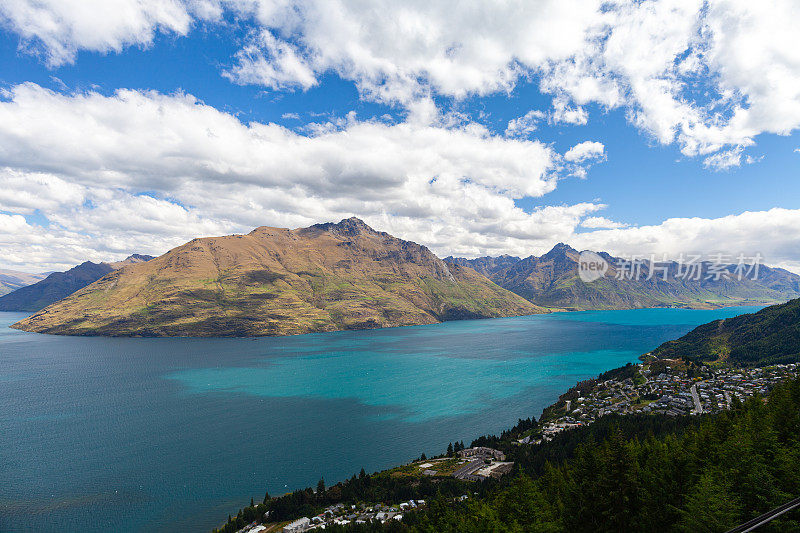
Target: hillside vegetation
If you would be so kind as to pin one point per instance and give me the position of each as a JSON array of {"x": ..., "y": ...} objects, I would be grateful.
[{"x": 769, "y": 336}]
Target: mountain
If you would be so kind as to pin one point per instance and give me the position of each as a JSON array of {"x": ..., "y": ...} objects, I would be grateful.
[
  {"x": 131, "y": 260},
  {"x": 770, "y": 336},
  {"x": 276, "y": 281},
  {"x": 59, "y": 285},
  {"x": 552, "y": 280},
  {"x": 11, "y": 280},
  {"x": 487, "y": 266}
]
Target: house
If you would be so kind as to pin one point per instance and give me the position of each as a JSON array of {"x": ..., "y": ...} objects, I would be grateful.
[
  {"x": 299, "y": 525},
  {"x": 481, "y": 452}
]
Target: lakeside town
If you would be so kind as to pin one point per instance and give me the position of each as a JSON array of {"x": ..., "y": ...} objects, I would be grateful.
[
  {"x": 471, "y": 464},
  {"x": 668, "y": 387}
]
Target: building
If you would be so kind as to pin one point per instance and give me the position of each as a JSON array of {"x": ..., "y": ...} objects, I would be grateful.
[
  {"x": 299, "y": 525},
  {"x": 481, "y": 452}
]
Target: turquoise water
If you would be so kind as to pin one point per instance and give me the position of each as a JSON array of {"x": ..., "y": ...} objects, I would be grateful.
[{"x": 164, "y": 434}]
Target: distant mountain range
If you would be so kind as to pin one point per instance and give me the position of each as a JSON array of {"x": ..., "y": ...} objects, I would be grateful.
[
  {"x": 552, "y": 281},
  {"x": 276, "y": 281},
  {"x": 326, "y": 277},
  {"x": 59, "y": 285},
  {"x": 11, "y": 280},
  {"x": 770, "y": 336}
]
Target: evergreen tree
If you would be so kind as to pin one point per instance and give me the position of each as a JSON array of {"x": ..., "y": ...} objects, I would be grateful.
[
  {"x": 450, "y": 450},
  {"x": 320, "y": 487},
  {"x": 710, "y": 507}
]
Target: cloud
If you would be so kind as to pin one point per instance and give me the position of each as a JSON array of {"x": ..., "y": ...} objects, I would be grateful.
[
  {"x": 271, "y": 63},
  {"x": 526, "y": 124},
  {"x": 724, "y": 160},
  {"x": 563, "y": 113},
  {"x": 143, "y": 171},
  {"x": 57, "y": 29},
  {"x": 771, "y": 233},
  {"x": 140, "y": 171},
  {"x": 601, "y": 223},
  {"x": 585, "y": 150},
  {"x": 709, "y": 77}
]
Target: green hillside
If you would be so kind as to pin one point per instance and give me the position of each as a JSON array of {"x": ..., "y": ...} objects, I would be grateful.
[{"x": 769, "y": 336}]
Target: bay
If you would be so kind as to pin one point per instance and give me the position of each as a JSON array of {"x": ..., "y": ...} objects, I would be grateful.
[{"x": 101, "y": 434}]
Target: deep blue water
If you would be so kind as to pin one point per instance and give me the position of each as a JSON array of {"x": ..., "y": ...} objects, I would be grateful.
[{"x": 100, "y": 434}]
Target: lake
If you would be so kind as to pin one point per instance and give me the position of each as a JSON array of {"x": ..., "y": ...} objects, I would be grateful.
[{"x": 100, "y": 434}]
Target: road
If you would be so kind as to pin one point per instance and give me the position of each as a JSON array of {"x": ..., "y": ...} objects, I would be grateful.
[
  {"x": 698, "y": 407},
  {"x": 468, "y": 469}
]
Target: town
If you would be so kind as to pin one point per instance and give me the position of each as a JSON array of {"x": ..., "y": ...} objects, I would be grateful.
[
  {"x": 470, "y": 464},
  {"x": 667, "y": 387},
  {"x": 338, "y": 514},
  {"x": 656, "y": 386}
]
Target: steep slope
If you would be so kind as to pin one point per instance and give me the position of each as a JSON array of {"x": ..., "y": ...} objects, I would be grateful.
[
  {"x": 552, "y": 280},
  {"x": 59, "y": 285},
  {"x": 11, "y": 280},
  {"x": 770, "y": 336},
  {"x": 488, "y": 266},
  {"x": 276, "y": 281}
]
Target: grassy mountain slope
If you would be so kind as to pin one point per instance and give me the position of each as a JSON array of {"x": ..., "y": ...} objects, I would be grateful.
[
  {"x": 59, "y": 285},
  {"x": 276, "y": 281},
  {"x": 552, "y": 281},
  {"x": 769, "y": 336}
]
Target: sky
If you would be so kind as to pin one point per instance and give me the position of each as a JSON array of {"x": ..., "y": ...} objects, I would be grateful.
[{"x": 633, "y": 127}]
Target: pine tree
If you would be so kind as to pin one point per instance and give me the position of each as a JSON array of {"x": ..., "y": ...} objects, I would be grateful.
[
  {"x": 450, "y": 450},
  {"x": 320, "y": 487},
  {"x": 710, "y": 507},
  {"x": 266, "y": 497}
]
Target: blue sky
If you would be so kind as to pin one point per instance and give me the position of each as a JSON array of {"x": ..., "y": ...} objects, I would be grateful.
[{"x": 671, "y": 132}]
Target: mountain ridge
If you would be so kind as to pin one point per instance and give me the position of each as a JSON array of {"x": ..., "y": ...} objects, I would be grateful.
[
  {"x": 58, "y": 285},
  {"x": 277, "y": 281},
  {"x": 552, "y": 280},
  {"x": 11, "y": 280}
]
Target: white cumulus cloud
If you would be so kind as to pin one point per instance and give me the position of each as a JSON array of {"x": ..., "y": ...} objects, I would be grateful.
[
  {"x": 708, "y": 76},
  {"x": 143, "y": 171},
  {"x": 585, "y": 150}
]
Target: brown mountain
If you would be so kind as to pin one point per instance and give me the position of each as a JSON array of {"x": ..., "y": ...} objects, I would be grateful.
[
  {"x": 552, "y": 280},
  {"x": 276, "y": 281},
  {"x": 58, "y": 285}
]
